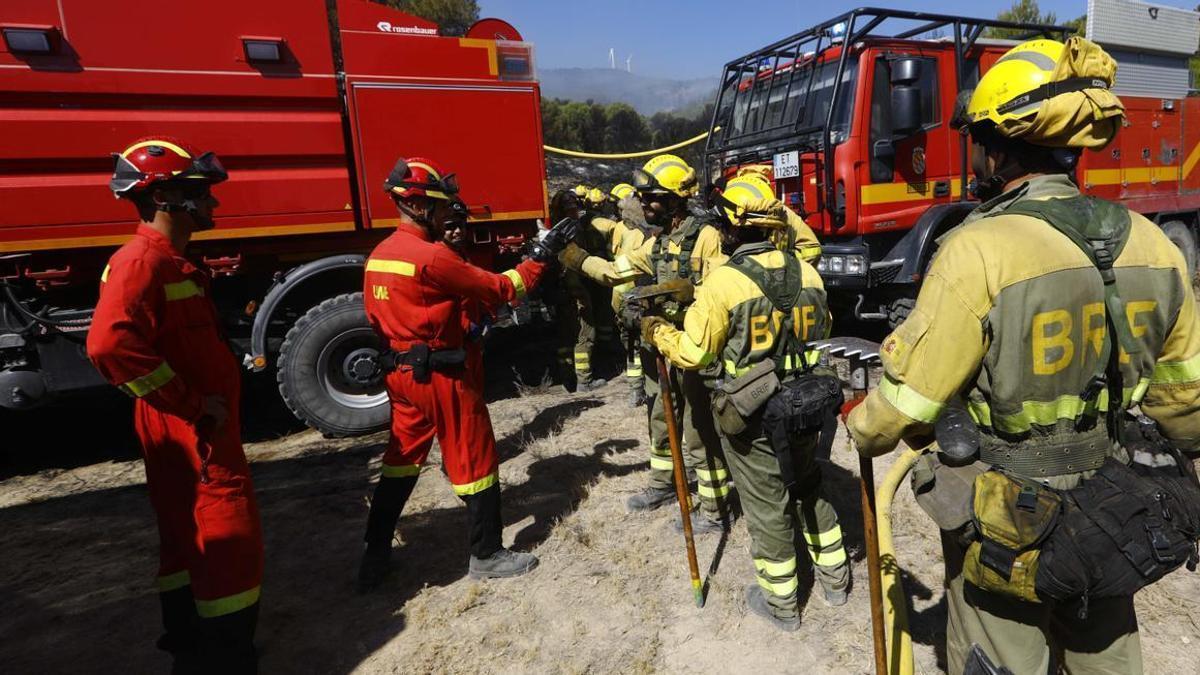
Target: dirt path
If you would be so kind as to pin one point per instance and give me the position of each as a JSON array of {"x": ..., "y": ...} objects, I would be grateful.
[{"x": 612, "y": 595}]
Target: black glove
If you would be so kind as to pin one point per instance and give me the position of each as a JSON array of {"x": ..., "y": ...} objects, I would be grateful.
[{"x": 549, "y": 246}]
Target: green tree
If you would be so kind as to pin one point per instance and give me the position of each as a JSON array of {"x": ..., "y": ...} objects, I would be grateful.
[
  {"x": 453, "y": 16},
  {"x": 1021, "y": 11},
  {"x": 625, "y": 129},
  {"x": 1079, "y": 23}
]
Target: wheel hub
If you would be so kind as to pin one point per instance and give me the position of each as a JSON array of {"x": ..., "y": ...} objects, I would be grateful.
[{"x": 362, "y": 367}]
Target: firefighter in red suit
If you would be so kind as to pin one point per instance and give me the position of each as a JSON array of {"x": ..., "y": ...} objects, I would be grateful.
[
  {"x": 422, "y": 298},
  {"x": 155, "y": 335}
]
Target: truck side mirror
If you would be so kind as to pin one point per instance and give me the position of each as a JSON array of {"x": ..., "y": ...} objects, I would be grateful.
[{"x": 906, "y": 96}]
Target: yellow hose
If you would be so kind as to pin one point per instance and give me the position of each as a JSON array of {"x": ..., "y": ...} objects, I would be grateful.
[
  {"x": 627, "y": 155},
  {"x": 895, "y": 602}
]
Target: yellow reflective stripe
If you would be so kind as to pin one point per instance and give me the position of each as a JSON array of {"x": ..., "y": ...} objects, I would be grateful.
[
  {"x": 227, "y": 605},
  {"x": 661, "y": 463},
  {"x": 828, "y": 558},
  {"x": 476, "y": 487},
  {"x": 517, "y": 282},
  {"x": 182, "y": 290},
  {"x": 1176, "y": 372},
  {"x": 781, "y": 589},
  {"x": 909, "y": 402},
  {"x": 732, "y": 370},
  {"x": 634, "y": 372},
  {"x": 171, "y": 582},
  {"x": 712, "y": 476},
  {"x": 809, "y": 251},
  {"x": 712, "y": 492},
  {"x": 148, "y": 383},
  {"x": 694, "y": 352},
  {"x": 401, "y": 267},
  {"x": 1140, "y": 390},
  {"x": 824, "y": 539},
  {"x": 104, "y": 274},
  {"x": 400, "y": 470},
  {"x": 980, "y": 412},
  {"x": 624, "y": 288},
  {"x": 776, "y": 569}
]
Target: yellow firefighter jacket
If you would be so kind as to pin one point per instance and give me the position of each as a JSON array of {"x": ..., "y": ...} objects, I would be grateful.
[
  {"x": 733, "y": 320},
  {"x": 1012, "y": 315}
]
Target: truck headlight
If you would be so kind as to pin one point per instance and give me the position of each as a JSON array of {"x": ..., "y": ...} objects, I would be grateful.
[
  {"x": 856, "y": 264},
  {"x": 843, "y": 264}
]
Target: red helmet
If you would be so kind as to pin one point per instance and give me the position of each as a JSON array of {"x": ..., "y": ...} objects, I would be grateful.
[
  {"x": 154, "y": 161},
  {"x": 420, "y": 177}
]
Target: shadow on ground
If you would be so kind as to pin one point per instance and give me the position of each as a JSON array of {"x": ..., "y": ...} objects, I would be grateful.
[{"x": 75, "y": 577}]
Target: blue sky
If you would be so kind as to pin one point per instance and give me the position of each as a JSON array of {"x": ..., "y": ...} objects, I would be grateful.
[{"x": 681, "y": 39}]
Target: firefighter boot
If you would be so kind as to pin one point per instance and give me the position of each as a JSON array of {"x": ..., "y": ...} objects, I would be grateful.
[
  {"x": 756, "y": 601},
  {"x": 386, "y": 505},
  {"x": 649, "y": 499},
  {"x": 227, "y": 642},
  {"x": 179, "y": 628},
  {"x": 489, "y": 558},
  {"x": 592, "y": 384},
  {"x": 702, "y": 523}
]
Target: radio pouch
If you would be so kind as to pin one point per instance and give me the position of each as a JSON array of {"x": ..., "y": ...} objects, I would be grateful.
[{"x": 1012, "y": 519}]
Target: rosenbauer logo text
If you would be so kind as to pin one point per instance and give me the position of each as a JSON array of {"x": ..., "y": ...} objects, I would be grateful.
[{"x": 387, "y": 27}]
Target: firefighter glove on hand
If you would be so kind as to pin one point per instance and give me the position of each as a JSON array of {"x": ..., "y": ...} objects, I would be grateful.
[
  {"x": 549, "y": 246},
  {"x": 572, "y": 257},
  {"x": 649, "y": 325}
]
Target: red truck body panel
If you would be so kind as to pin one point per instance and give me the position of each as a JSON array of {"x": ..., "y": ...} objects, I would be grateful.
[{"x": 278, "y": 128}]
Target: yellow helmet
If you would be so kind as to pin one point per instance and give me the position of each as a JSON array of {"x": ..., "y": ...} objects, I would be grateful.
[
  {"x": 665, "y": 174},
  {"x": 1051, "y": 94},
  {"x": 748, "y": 200},
  {"x": 594, "y": 197},
  {"x": 621, "y": 191},
  {"x": 580, "y": 191}
]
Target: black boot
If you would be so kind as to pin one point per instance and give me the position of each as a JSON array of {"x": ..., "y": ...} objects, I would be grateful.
[
  {"x": 227, "y": 642},
  {"x": 386, "y": 506},
  {"x": 486, "y": 529},
  {"x": 489, "y": 558},
  {"x": 180, "y": 623}
]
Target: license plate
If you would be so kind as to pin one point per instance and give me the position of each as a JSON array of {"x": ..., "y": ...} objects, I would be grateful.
[{"x": 787, "y": 165}]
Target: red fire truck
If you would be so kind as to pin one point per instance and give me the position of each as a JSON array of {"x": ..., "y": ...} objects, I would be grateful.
[
  {"x": 308, "y": 104},
  {"x": 852, "y": 116}
]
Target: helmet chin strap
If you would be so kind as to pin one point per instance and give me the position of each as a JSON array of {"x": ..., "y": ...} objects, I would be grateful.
[{"x": 190, "y": 207}]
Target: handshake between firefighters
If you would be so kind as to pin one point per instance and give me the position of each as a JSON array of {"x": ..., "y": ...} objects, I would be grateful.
[{"x": 1043, "y": 319}]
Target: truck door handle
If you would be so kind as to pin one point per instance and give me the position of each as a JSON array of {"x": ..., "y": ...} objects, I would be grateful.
[{"x": 941, "y": 188}]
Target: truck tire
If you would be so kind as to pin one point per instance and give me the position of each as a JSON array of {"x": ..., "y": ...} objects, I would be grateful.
[
  {"x": 898, "y": 311},
  {"x": 328, "y": 375},
  {"x": 1181, "y": 235}
]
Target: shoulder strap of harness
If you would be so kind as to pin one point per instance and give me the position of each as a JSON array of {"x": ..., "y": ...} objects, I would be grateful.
[
  {"x": 782, "y": 288},
  {"x": 1100, "y": 229}
]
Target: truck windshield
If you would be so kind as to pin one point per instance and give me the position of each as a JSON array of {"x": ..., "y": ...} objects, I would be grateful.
[{"x": 798, "y": 102}]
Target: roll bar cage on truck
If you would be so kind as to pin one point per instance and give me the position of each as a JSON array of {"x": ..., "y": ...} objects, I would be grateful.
[
  {"x": 308, "y": 103},
  {"x": 852, "y": 116}
]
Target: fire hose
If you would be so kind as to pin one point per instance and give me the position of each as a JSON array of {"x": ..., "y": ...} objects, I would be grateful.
[
  {"x": 895, "y": 602},
  {"x": 628, "y": 155}
]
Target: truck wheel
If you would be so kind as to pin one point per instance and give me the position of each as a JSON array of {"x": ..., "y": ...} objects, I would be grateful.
[
  {"x": 898, "y": 311},
  {"x": 1181, "y": 235},
  {"x": 328, "y": 374}
]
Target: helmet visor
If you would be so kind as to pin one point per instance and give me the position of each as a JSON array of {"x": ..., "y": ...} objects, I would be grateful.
[
  {"x": 645, "y": 182},
  {"x": 125, "y": 175},
  {"x": 209, "y": 168}
]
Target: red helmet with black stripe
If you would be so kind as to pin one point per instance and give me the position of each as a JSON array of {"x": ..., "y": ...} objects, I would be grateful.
[
  {"x": 159, "y": 160},
  {"x": 420, "y": 177}
]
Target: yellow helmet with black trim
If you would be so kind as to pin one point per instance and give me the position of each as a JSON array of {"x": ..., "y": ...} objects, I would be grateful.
[
  {"x": 580, "y": 191},
  {"x": 748, "y": 200},
  {"x": 594, "y": 197},
  {"x": 1051, "y": 94},
  {"x": 621, "y": 191},
  {"x": 665, "y": 174}
]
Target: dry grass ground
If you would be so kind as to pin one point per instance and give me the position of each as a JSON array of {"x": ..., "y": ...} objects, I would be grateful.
[{"x": 611, "y": 595}]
